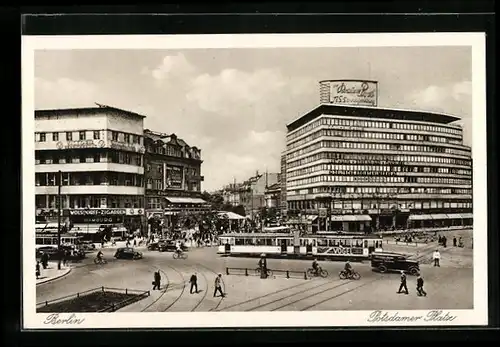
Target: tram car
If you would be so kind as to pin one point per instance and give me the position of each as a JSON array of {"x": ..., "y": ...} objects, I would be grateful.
[{"x": 322, "y": 247}]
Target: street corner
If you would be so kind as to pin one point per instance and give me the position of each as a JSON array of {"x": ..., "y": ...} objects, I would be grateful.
[{"x": 52, "y": 273}]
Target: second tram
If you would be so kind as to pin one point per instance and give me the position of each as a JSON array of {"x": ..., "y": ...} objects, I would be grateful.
[{"x": 334, "y": 247}]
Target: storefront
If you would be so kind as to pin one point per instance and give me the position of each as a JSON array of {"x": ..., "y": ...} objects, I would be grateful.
[{"x": 90, "y": 222}]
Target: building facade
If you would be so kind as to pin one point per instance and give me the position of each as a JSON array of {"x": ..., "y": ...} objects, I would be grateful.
[
  {"x": 96, "y": 154},
  {"x": 173, "y": 177},
  {"x": 273, "y": 196},
  {"x": 283, "y": 204},
  {"x": 361, "y": 168}
]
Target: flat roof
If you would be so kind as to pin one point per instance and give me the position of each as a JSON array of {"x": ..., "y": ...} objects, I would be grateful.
[
  {"x": 88, "y": 110},
  {"x": 371, "y": 112}
]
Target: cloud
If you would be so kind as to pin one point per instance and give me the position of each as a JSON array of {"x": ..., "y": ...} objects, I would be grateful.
[
  {"x": 454, "y": 98},
  {"x": 172, "y": 66},
  {"x": 64, "y": 93}
]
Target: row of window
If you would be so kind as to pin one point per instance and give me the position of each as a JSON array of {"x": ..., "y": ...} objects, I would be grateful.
[
  {"x": 376, "y": 147},
  {"x": 189, "y": 171},
  {"x": 184, "y": 152},
  {"x": 83, "y": 135},
  {"x": 357, "y": 158},
  {"x": 358, "y": 205},
  {"x": 375, "y": 170},
  {"x": 105, "y": 156},
  {"x": 372, "y": 135},
  {"x": 90, "y": 201},
  {"x": 373, "y": 124},
  {"x": 375, "y": 179},
  {"x": 383, "y": 190},
  {"x": 157, "y": 184},
  {"x": 89, "y": 178}
]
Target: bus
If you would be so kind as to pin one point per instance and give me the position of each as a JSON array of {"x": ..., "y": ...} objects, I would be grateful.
[{"x": 332, "y": 247}]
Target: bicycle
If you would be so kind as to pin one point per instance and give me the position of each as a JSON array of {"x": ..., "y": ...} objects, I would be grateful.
[
  {"x": 269, "y": 272},
  {"x": 181, "y": 255},
  {"x": 313, "y": 273},
  {"x": 100, "y": 261},
  {"x": 352, "y": 276}
]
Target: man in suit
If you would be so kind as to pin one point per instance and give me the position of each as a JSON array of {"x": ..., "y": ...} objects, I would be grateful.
[
  {"x": 194, "y": 283},
  {"x": 157, "y": 280},
  {"x": 420, "y": 286},
  {"x": 403, "y": 283},
  {"x": 218, "y": 286}
]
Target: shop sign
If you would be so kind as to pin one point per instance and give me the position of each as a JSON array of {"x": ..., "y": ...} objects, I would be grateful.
[
  {"x": 353, "y": 92},
  {"x": 98, "y": 212},
  {"x": 125, "y": 146},
  {"x": 80, "y": 144},
  {"x": 134, "y": 211}
]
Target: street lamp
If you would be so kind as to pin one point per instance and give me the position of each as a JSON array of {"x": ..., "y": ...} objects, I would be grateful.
[{"x": 59, "y": 220}]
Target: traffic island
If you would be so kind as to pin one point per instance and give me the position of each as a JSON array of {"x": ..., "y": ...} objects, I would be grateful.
[{"x": 101, "y": 299}]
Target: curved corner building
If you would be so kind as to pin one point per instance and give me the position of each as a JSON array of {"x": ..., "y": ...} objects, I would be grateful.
[{"x": 356, "y": 168}]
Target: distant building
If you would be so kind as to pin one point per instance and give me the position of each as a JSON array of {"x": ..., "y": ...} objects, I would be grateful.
[
  {"x": 173, "y": 176},
  {"x": 273, "y": 196},
  {"x": 251, "y": 193},
  {"x": 283, "y": 204}
]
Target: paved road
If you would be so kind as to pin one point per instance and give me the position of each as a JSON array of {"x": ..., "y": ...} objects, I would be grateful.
[{"x": 449, "y": 287}]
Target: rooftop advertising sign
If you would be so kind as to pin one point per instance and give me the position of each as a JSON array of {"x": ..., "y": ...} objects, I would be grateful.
[{"x": 352, "y": 92}]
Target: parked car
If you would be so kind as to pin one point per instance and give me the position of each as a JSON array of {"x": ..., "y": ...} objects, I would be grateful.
[
  {"x": 127, "y": 253},
  {"x": 390, "y": 261},
  {"x": 87, "y": 246},
  {"x": 169, "y": 246}
]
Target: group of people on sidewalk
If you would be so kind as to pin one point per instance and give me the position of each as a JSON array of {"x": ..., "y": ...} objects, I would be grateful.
[{"x": 218, "y": 284}]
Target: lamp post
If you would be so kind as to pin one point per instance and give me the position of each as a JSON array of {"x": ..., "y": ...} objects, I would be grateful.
[{"x": 59, "y": 219}]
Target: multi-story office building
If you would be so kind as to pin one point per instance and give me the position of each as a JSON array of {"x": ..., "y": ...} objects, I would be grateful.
[
  {"x": 357, "y": 167},
  {"x": 283, "y": 204},
  {"x": 96, "y": 154},
  {"x": 173, "y": 177}
]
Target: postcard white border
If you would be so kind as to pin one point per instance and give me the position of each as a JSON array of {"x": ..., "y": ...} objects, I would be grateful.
[{"x": 476, "y": 316}]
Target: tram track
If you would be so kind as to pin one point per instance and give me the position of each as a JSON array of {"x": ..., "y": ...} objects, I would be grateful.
[
  {"x": 207, "y": 285},
  {"x": 162, "y": 293},
  {"x": 337, "y": 285}
]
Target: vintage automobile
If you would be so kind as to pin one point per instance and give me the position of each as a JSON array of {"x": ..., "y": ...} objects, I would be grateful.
[
  {"x": 169, "y": 246},
  {"x": 127, "y": 253},
  {"x": 391, "y": 261}
]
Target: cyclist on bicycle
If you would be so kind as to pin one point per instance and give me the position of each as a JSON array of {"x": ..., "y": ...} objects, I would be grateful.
[
  {"x": 99, "y": 256},
  {"x": 348, "y": 268},
  {"x": 315, "y": 266},
  {"x": 178, "y": 247}
]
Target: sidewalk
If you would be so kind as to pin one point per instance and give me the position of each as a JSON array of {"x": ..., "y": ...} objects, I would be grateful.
[{"x": 51, "y": 273}]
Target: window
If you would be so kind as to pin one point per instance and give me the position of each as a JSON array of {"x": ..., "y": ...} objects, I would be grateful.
[
  {"x": 55, "y": 136},
  {"x": 42, "y": 137},
  {"x": 114, "y": 136},
  {"x": 96, "y": 135},
  {"x": 126, "y": 138},
  {"x": 97, "y": 158},
  {"x": 82, "y": 135},
  {"x": 69, "y": 136}
]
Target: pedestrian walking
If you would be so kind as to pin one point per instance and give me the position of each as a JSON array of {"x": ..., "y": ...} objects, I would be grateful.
[
  {"x": 194, "y": 283},
  {"x": 157, "y": 280},
  {"x": 403, "y": 283},
  {"x": 420, "y": 286},
  {"x": 444, "y": 241},
  {"x": 218, "y": 286},
  {"x": 45, "y": 260},
  {"x": 37, "y": 269},
  {"x": 436, "y": 256},
  {"x": 454, "y": 242}
]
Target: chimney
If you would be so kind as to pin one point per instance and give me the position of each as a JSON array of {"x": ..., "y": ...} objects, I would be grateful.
[{"x": 257, "y": 173}]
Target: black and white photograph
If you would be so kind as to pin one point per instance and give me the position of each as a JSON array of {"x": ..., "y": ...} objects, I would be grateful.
[{"x": 254, "y": 180}]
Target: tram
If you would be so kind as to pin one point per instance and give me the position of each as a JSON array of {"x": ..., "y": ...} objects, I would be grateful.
[
  {"x": 333, "y": 247},
  {"x": 50, "y": 239}
]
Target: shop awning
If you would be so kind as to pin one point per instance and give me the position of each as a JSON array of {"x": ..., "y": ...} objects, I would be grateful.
[
  {"x": 454, "y": 216},
  {"x": 351, "y": 218},
  {"x": 231, "y": 215},
  {"x": 85, "y": 229},
  {"x": 419, "y": 217},
  {"x": 179, "y": 200},
  {"x": 467, "y": 215},
  {"x": 312, "y": 218},
  {"x": 439, "y": 216}
]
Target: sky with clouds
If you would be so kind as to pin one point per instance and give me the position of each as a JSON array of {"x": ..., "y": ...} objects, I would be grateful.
[{"x": 234, "y": 103}]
